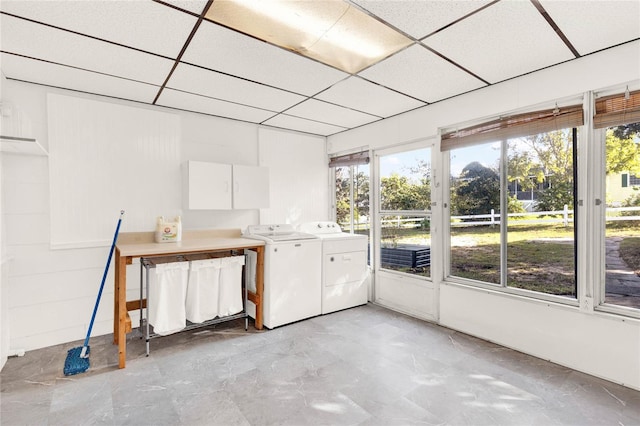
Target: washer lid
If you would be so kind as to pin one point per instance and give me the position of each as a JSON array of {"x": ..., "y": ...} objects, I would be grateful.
[{"x": 283, "y": 232}]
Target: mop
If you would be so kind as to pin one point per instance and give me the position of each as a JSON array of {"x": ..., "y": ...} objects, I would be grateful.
[{"x": 78, "y": 358}]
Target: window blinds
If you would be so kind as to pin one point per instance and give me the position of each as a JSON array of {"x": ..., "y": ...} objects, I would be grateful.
[
  {"x": 350, "y": 159},
  {"x": 530, "y": 123},
  {"x": 616, "y": 110}
]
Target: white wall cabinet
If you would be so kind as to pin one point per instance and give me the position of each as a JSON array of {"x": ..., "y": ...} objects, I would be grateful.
[
  {"x": 250, "y": 187},
  {"x": 214, "y": 186},
  {"x": 208, "y": 186}
]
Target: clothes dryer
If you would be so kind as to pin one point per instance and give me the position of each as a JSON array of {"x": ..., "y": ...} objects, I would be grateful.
[{"x": 344, "y": 266}]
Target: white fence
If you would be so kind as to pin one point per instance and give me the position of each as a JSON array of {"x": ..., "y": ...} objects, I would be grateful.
[{"x": 564, "y": 216}]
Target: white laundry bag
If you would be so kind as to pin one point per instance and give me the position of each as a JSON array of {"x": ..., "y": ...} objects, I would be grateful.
[
  {"x": 230, "y": 299},
  {"x": 166, "y": 297},
  {"x": 202, "y": 290}
]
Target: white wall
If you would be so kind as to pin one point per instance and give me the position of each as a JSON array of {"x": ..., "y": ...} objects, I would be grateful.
[
  {"x": 597, "y": 343},
  {"x": 51, "y": 292},
  {"x": 4, "y": 308},
  {"x": 4, "y": 329},
  {"x": 299, "y": 173},
  {"x": 601, "y": 344},
  {"x": 4, "y": 314}
]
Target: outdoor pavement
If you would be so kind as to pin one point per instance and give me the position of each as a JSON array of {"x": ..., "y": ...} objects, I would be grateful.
[{"x": 622, "y": 283}]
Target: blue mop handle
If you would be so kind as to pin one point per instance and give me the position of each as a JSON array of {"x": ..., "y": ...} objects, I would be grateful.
[{"x": 104, "y": 278}]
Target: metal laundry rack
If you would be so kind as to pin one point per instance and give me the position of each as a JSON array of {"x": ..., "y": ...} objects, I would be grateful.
[{"x": 150, "y": 262}]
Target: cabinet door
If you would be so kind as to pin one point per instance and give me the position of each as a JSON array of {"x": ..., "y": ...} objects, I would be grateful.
[
  {"x": 209, "y": 185},
  {"x": 250, "y": 187}
]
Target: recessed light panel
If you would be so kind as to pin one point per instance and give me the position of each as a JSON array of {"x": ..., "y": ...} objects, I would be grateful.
[{"x": 332, "y": 32}]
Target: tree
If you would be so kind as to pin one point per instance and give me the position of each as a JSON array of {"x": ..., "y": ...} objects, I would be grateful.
[
  {"x": 477, "y": 190},
  {"x": 546, "y": 157},
  {"x": 623, "y": 153},
  {"x": 423, "y": 173},
  {"x": 398, "y": 193},
  {"x": 343, "y": 194},
  {"x": 626, "y": 131},
  {"x": 361, "y": 195}
]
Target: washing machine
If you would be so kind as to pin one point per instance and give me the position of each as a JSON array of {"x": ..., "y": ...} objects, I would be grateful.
[
  {"x": 292, "y": 274},
  {"x": 344, "y": 266}
]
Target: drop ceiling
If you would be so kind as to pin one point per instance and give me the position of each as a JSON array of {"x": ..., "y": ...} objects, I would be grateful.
[{"x": 167, "y": 53}]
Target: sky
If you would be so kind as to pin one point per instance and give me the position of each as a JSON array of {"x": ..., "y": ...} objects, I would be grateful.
[{"x": 401, "y": 162}]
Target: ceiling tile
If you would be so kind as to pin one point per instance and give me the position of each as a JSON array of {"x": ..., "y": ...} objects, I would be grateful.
[
  {"x": 75, "y": 79},
  {"x": 420, "y": 18},
  {"x": 189, "y": 102},
  {"x": 195, "y": 6},
  {"x": 507, "y": 39},
  {"x": 368, "y": 97},
  {"x": 145, "y": 25},
  {"x": 593, "y": 25},
  {"x": 224, "y": 50},
  {"x": 42, "y": 42},
  {"x": 201, "y": 81},
  {"x": 284, "y": 121},
  {"x": 422, "y": 74},
  {"x": 330, "y": 114}
]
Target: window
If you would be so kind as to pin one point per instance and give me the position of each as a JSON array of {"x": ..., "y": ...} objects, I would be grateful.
[
  {"x": 620, "y": 141},
  {"x": 540, "y": 251},
  {"x": 512, "y": 187},
  {"x": 405, "y": 218},
  {"x": 352, "y": 192},
  {"x": 475, "y": 212}
]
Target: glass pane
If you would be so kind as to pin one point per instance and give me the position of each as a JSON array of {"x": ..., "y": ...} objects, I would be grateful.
[
  {"x": 622, "y": 227},
  {"x": 352, "y": 199},
  {"x": 405, "y": 180},
  {"x": 475, "y": 209},
  {"x": 343, "y": 197},
  {"x": 361, "y": 223},
  {"x": 540, "y": 232},
  {"x": 405, "y": 244},
  {"x": 405, "y": 184}
]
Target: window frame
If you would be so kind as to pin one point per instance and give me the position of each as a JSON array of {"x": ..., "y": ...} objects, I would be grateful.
[
  {"x": 597, "y": 211},
  {"x": 428, "y": 143},
  {"x": 580, "y": 186}
]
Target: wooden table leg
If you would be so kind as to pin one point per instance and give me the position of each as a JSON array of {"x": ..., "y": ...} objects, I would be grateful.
[
  {"x": 259, "y": 287},
  {"x": 121, "y": 309},
  {"x": 116, "y": 300}
]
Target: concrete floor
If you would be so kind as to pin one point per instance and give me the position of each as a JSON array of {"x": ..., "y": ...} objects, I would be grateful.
[{"x": 366, "y": 366}]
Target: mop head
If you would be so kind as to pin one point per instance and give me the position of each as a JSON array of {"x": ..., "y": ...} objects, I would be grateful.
[{"x": 75, "y": 364}]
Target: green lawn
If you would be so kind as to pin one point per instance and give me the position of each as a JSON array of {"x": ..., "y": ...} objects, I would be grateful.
[{"x": 539, "y": 257}]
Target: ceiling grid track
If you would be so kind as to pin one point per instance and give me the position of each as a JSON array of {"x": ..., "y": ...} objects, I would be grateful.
[
  {"x": 555, "y": 27},
  {"x": 184, "y": 49}
]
